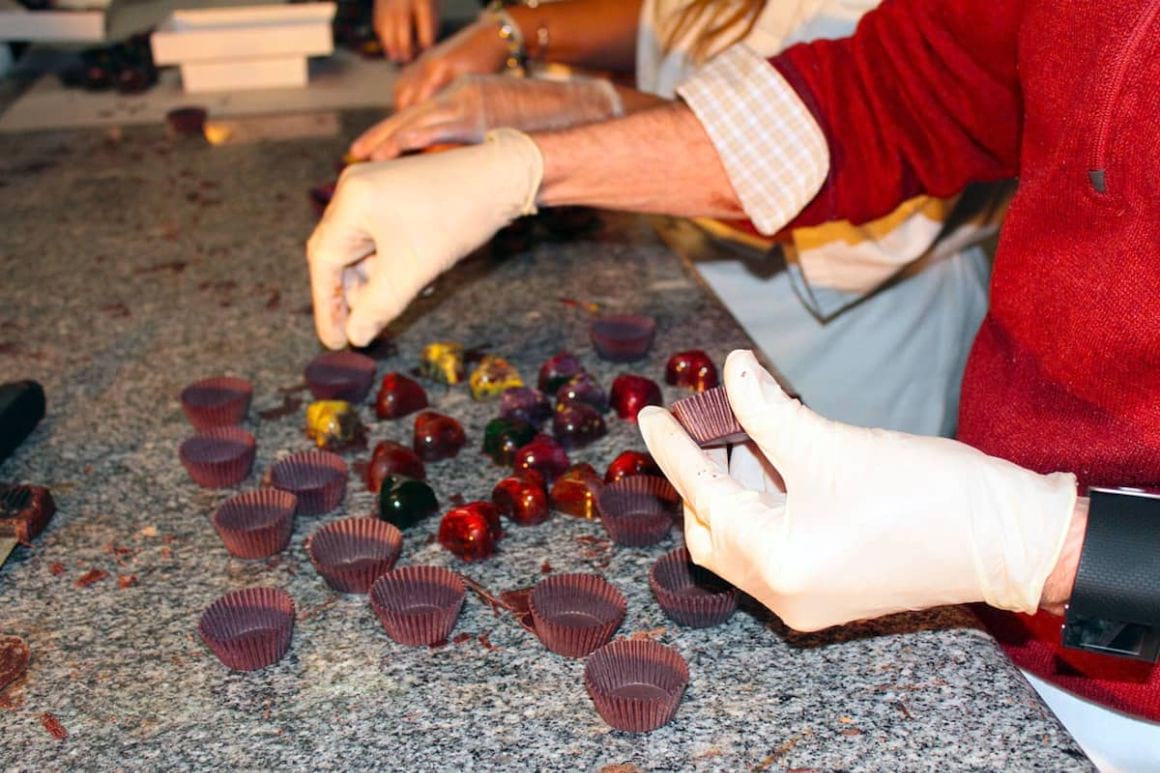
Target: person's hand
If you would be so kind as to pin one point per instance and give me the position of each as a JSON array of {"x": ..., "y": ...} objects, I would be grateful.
[
  {"x": 478, "y": 103},
  {"x": 475, "y": 49},
  {"x": 870, "y": 522},
  {"x": 406, "y": 27},
  {"x": 393, "y": 227}
]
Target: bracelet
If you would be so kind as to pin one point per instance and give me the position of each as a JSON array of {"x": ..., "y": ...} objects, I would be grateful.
[{"x": 509, "y": 33}]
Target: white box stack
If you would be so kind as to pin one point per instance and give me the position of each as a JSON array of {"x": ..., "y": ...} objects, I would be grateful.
[{"x": 246, "y": 47}]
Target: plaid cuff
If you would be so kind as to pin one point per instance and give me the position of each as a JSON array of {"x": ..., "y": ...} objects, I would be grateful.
[{"x": 772, "y": 149}]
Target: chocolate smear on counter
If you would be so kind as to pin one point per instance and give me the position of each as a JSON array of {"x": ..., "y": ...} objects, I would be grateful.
[
  {"x": 290, "y": 404},
  {"x": 53, "y": 726},
  {"x": 460, "y": 638},
  {"x": 173, "y": 266},
  {"x": 519, "y": 602},
  {"x": 14, "y": 655},
  {"x": 90, "y": 577}
]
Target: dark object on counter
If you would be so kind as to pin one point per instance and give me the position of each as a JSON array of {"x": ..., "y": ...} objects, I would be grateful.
[
  {"x": 690, "y": 594},
  {"x": 320, "y": 196},
  {"x": 317, "y": 478},
  {"x": 405, "y": 502},
  {"x": 525, "y": 404},
  {"x": 219, "y": 457},
  {"x": 249, "y": 628},
  {"x": 256, "y": 524},
  {"x": 22, "y": 406},
  {"x": 638, "y": 510},
  {"x": 636, "y": 685},
  {"x": 221, "y": 401},
  {"x": 352, "y": 553},
  {"x": 576, "y": 613},
  {"x": 186, "y": 121},
  {"x": 583, "y": 388},
  {"x": 543, "y": 455},
  {"x": 418, "y": 605},
  {"x": 14, "y": 654},
  {"x": 24, "y": 512},
  {"x": 335, "y": 425},
  {"x": 708, "y": 418},
  {"x": 622, "y": 337},
  {"x": 340, "y": 376},
  {"x": 568, "y": 222}
]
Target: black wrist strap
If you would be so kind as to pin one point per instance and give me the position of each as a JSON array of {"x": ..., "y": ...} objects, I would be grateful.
[{"x": 1115, "y": 603}]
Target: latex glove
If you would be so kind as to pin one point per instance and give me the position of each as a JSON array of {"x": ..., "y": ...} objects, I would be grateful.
[
  {"x": 392, "y": 227},
  {"x": 406, "y": 27},
  {"x": 475, "y": 49},
  {"x": 478, "y": 103},
  {"x": 871, "y": 521}
]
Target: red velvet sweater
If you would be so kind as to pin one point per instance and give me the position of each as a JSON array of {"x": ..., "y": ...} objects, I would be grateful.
[{"x": 929, "y": 95}]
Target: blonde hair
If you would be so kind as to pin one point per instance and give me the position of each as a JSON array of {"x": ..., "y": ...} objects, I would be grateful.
[{"x": 719, "y": 23}]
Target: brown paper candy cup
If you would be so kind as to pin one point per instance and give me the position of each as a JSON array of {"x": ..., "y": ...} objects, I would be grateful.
[
  {"x": 576, "y": 613},
  {"x": 249, "y": 628},
  {"x": 218, "y": 457},
  {"x": 317, "y": 478},
  {"x": 352, "y": 553},
  {"x": 184, "y": 121},
  {"x": 221, "y": 401},
  {"x": 622, "y": 337},
  {"x": 418, "y": 605},
  {"x": 636, "y": 684},
  {"x": 689, "y": 594},
  {"x": 708, "y": 418},
  {"x": 638, "y": 510},
  {"x": 256, "y": 524},
  {"x": 340, "y": 376}
]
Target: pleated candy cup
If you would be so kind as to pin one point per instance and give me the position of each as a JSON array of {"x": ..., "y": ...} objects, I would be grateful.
[
  {"x": 249, "y": 628},
  {"x": 636, "y": 685},
  {"x": 317, "y": 478},
  {"x": 352, "y": 553},
  {"x": 708, "y": 418},
  {"x": 418, "y": 605},
  {"x": 576, "y": 613},
  {"x": 221, "y": 401},
  {"x": 340, "y": 376},
  {"x": 689, "y": 594},
  {"x": 218, "y": 457},
  {"x": 639, "y": 510},
  {"x": 256, "y": 524}
]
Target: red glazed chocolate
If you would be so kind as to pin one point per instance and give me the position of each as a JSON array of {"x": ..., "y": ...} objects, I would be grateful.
[
  {"x": 708, "y": 418},
  {"x": 471, "y": 531},
  {"x": 249, "y": 628},
  {"x": 689, "y": 594},
  {"x": 391, "y": 458},
  {"x": 399, "y": 396},
  {"x": 636, "y": 684},
  {"x": 352, "y": 553},
  {"x": 630, "y": 463},
  {"x": 692, "y": 369},
  {"x": 622, "y": 337},
  {"x": 575, "y": 492},
  {"x": 218, "y": 457},
  {"x": 256, "y": 524},
  {"x": 418, "y": 605},
  {"x": 437, "y": 436},
  {"x": 221, "y": 401},
  {"x": 630, "y": 393},
  {"x": 576, "y": 613},
  {"x": 317, "y": 478},
  {"x": 340, "y": 376},
  {"x": 639, "y": 510},
  {"x": 583, "y": 389},
  {"x": 558, "y": 370},
  {"x": 577, "y": 425},
  {"x": 521, "y": 498},
  {"x": 544, "y": 455}
]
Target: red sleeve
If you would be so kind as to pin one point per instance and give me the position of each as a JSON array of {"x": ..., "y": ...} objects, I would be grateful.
[{"x": 924, "y": 98}]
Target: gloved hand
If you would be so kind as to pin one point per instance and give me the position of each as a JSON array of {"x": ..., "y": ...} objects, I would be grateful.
[
  {"x": 477, "y": 48},
  {"x": 406, "y": 27},
  {"x": 392, "y": 227},
  {"x": 478, "y": 103},
  {"x": 871, "y": 521}
]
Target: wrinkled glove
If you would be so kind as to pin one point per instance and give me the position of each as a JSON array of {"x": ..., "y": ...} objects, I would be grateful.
[
  {"x": 476, "y": 104},
  {"x": 392, "y": 227},
  {"x": 870, "y": 522}
]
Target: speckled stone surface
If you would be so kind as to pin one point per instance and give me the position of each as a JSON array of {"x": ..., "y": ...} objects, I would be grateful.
[{"x": 134, "y": 265}]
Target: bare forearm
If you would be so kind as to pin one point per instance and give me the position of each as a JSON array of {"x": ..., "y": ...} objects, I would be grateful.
[
  {"x": 599, "y": 34},
  {"x": 658, "y": 161},
  {"x": 634, "y": 101},
  {"x": 1057, "y": 589}
]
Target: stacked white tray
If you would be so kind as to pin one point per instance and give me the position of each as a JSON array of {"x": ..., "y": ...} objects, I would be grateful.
[{"x": 248, "y": 47}]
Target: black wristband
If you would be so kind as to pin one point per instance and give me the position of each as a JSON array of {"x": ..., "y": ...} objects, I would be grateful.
[{"x": 1115, "y": 602}]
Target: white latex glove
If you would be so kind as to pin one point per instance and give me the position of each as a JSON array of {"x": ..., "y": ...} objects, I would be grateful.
[
  {"x": 393, "y": 227},
  {"x": 476, "y": 104},
  {"x": 871, "y": 521}
]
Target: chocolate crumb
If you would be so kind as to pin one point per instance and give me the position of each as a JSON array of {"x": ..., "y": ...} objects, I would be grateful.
[
  {"x": 90, "y": 577},
  {"x": 53, "y": 726},
  {"x": 57, "y": 569},
  {"x": 126, "y": 581}
]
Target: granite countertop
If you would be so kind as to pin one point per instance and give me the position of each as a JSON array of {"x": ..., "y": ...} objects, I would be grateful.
[{"x": 134, "y": 264}]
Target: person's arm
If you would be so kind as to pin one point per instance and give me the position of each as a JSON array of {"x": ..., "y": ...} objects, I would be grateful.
[
  {"x": 406, "y": 27},
  {"x": 597, "y": 34}
]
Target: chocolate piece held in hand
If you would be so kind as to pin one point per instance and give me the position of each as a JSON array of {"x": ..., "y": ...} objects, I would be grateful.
[
  {"x": 708, "y": 418},
  {"x": 630, "y": 393},
  {"x": 622, "y": 337},
  {"x": 399, "y": 396},
  {"x": 391, "y": 458},
  {"x": 471, "y": 531},
  {"x": 575, "y": 492},
  {"x": 405, "y": 502},
  {"x": 437, "y": 436},
  {"x": 692, "y": 369}
]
